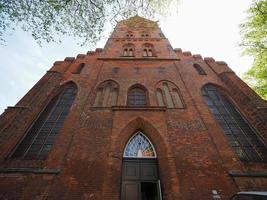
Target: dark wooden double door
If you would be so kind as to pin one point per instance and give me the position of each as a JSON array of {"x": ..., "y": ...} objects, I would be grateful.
[{"x": 140, "y": 180}]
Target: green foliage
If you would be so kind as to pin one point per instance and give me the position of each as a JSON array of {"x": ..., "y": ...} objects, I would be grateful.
[
  {"x": 48, "y": 20},
  {"x": 254, "y": 32}
]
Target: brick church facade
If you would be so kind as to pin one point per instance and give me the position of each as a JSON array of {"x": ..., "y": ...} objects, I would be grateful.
[{"x": 136, "y": 120}]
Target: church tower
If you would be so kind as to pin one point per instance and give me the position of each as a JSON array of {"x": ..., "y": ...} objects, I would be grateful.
[{"x": 136, "y": 120}]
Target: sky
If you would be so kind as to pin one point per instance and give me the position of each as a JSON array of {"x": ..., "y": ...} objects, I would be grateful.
[{"x": 206, "y": 27}]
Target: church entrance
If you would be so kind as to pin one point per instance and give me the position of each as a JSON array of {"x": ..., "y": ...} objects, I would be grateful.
[{"x": 140, "y": 178}]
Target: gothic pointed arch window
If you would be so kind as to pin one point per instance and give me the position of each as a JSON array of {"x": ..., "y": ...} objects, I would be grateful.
[
  {"x": 148, "y": 50},
  {"x": 139, "y": 146},
  {"x": 246, "y": 142},
  {"x": 159, "y": 95},
  {"x": 137, "y": 96},
  {"x": 106, "y": 94},
  {"x": 199, "y": 69},
  {"x": 168, "y": 95},
  {"x": 128, "y": 50},
  {"x": 41, "y": 136}
]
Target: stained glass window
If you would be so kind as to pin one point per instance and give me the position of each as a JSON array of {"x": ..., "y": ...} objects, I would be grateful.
[
  {"x": 40, "y": 137},
  {"x": 241, "y": 136},
  {"x": 139, "y": 146}
]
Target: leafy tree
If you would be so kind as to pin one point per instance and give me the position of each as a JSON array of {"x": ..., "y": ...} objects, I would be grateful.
[
  {"x": 254, "y": 33},
  {"x": 48, "y": 20}
]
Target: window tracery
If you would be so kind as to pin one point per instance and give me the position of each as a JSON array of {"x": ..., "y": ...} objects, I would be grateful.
[
  {"x": 240, "y": 135},
  {"x": 41, "y": 136},
  {"x": 139, "y": 146}
]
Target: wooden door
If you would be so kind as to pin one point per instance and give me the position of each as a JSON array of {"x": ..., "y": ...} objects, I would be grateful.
[
  {"x": 140, "y": 180},
  {"x": 131, "y": 190}
]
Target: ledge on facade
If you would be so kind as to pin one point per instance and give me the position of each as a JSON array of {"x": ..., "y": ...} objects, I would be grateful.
[
  {"x": 52, "y": 71},
  {"x": 209, "y": 59},
  {"x": 221, "y": 63},
  {"x": 262, "y": 108},
  {"x": 187, "y": 53},
  {"x": 133, "y": 58},
  {"x": 177, "y": 50},
  {"x": 197, "y": 56},
  {"x": 80, "y": 55},
  {"x": 90, "y": 52},
  {"x": 58, "y": 62},
  {"x": 29, "y": 171},
  {"x": 17, "y": 107},
  {"x": 99, "y": 50},
  {"x": 248, "y": 174},
  {"x": 140, "y": 108},
  {"x": 100, "y": 108},
  {"x": 69, "y": 59}
]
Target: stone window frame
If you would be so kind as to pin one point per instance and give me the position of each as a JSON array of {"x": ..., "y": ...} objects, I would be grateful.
[{"x": 146, "y": 95}]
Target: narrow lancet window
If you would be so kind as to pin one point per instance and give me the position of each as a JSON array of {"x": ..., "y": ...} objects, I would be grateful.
[
  {"x": 125, "y": 52},
  {"x": 160, "y": 97},
  {"x": 128, "y": 50},
  {"x": 148, "y": 50},
  {"x": 199, "y": 69},
  {"x": 150, "y": 53},
  {"x": 178, "y": 101}
]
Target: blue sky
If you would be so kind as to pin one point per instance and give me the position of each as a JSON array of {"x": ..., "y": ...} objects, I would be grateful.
[{"x": 206, "y": 27}]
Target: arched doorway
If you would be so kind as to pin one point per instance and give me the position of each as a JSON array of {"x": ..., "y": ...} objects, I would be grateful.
[{"x": 140, "y": 178}]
